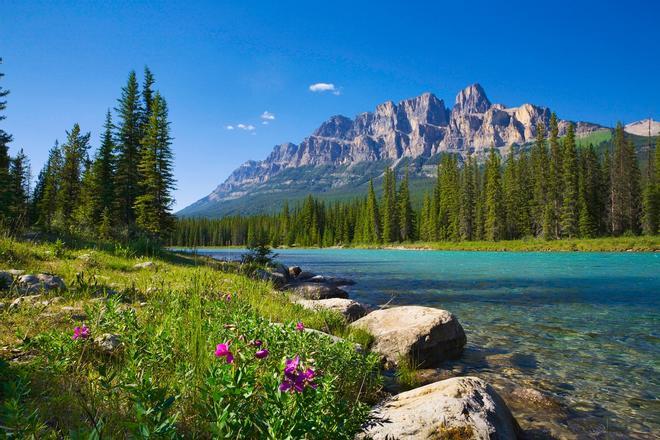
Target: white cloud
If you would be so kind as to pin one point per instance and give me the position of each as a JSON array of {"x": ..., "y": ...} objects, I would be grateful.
[
  {"x": 324, "y": 87},
  {"x": 264, "y": 122},
  {"x": 229, "y": 127},
  {"x": 267, "y": 116},
  {"x": 247, "y": 127}
]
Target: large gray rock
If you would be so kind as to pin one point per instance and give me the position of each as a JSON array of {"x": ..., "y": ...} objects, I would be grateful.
[
  {"x": 42, "y": 282},
  {"x": 352, "y": 310},
  {"x": 316, "y": 291},
  {"x": 460, "y": 407},
  {"x": 423, "y": 335}
]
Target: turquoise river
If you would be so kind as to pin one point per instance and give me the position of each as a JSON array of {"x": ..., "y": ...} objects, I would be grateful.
[{"x": 580, "y": 327}]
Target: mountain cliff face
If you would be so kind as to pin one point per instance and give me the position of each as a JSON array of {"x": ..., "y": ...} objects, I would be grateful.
[{"x": 416, "y": 128}]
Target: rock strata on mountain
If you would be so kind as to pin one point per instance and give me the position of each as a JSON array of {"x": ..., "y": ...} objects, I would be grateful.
[{"x": 419, "y": 127}]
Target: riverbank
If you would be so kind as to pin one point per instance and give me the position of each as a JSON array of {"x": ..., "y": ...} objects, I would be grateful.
[
  {"x": 106, "y": 343},
  {"x": 603, "y": 244}
]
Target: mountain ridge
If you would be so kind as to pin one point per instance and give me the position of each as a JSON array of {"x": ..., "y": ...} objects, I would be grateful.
[{"x": 415, "y": 128}]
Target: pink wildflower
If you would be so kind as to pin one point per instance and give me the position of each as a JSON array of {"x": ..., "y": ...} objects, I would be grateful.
[
  {"x": 261, "y": 354},
  {"x": 300, "y": 326},
  {"x": 222, "y": 350},
  {"x": 295, "y": 379},
  {"x": 81, "y": 333}
]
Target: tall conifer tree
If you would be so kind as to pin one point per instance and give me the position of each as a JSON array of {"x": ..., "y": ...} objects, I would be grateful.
[
  {"x": 494, "y": 208},
  {"x": 569, "y": 206},
  {"x": 128, "y": 137}
]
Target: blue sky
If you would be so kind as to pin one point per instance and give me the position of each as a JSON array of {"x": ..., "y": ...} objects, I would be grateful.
[{"x": 222, "y": 64}]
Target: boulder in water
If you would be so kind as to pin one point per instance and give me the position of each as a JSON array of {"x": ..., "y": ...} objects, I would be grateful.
[
  {"x": 460, "y": 407},
  {"x": 424, "y": 336},
  {"x": 317, "y": 291},
  {"x": 352, "y": 310}
]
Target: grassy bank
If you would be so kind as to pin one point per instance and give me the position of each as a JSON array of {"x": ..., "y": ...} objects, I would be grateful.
[
  {"x": 604, "y": 244},
  {"x": 165, "y": 380}
]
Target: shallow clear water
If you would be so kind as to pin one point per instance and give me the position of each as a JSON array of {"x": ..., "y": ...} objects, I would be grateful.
[{"x": 582, "y": 326}]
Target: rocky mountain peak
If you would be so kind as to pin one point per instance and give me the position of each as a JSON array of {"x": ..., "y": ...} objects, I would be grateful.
[
  {"x": 472, "y": 99},
  {"x": 416, "y": 128}
]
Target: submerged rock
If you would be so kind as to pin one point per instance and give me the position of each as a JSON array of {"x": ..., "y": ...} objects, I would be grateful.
[
  {"x": 461, "y": 407},
  {"x": 317, "y": 291},
  {"x": 423, "y": 335},
  {"x": 304, "y": 275},
  {"x": 336, "y": 281},
  {"x": 352, "y": 310}
]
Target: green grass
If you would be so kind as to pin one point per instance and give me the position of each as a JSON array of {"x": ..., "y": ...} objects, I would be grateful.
[
  {"x": 605, "y": 244},
  {"x": 165, "y": 381}
]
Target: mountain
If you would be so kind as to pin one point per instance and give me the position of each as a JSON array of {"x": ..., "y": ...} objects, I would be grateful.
[
  {"x": 641, "y": 128},
  {"x": 343, "y": 153}
]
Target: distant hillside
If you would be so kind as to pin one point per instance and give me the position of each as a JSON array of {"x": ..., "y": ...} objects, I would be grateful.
[{"x": 338, "y": 159}]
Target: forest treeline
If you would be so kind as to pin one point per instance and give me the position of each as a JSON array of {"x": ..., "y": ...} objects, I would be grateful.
[
  {"x": 122, "y": 192},
  {"x": 553, "y": 191}
]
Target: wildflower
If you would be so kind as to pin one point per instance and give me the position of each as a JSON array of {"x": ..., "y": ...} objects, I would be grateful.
[
  {"x": 295, "y": 378},
  {"x": 81, "y": 333},
  {"x": 261, "y": 354},
  {"x": 257, "y": 343},
  {"x": 222, "y": 350},
  {"x": 300, "y": 326},
  {"x": 228, "y": 297}
]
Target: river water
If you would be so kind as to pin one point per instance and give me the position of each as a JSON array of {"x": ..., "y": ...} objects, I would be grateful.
[{"x": 581, "y": 327}]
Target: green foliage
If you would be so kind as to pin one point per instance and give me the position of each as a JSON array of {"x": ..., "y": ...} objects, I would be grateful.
[{"x": 164, "y": 380}]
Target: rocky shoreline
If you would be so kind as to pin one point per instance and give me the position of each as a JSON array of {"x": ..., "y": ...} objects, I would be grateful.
[
  {"x": 449, "y": 400},
  {"x": 425, "y": 337}
]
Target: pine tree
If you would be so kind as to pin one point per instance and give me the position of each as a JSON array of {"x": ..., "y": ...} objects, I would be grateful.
[
  {"x": 5, "y": 139},
  {"x": 494, "y": 211},
  {"x": 128, "y": 137},
  {"x": 103, "y": 197},
  {"x": 539, "y": 163},
  {"x": 19, "y": 184},
  {"x": 45, "y": 199},
  {"x": 467, "y": 200},
  {"x": 74, "y": 153},
  {"x": 569, "y": 206},
  {"x": 591, "y": 208},
  {"x": 510, "y": 196},
  {"x": 625, "y": 187},
  {"x": 153, "y": 205},
  {"x": 651, "y": 196},
  {"x": 406, "y": 213},
  {"x": 147, "y": 99},
  {"x": 372, "y": 218},
  {"x": 425, "y": 225},
  {"x": 448, "y": 193},
  {"x": 389, "y": 208},
  {"x": 555, "y": 183}
]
